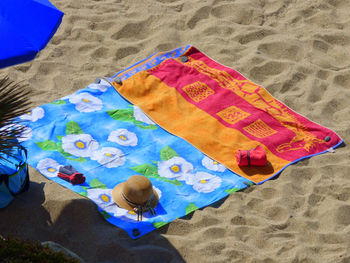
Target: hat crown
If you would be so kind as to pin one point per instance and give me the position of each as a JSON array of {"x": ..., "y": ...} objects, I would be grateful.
[{"x": 138, "y": 189}]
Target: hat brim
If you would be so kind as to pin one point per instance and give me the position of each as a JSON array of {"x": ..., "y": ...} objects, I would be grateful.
[{"x": 122, "y": 203}]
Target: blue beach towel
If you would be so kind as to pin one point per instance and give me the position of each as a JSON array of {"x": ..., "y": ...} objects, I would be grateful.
[{"x": 108, "y": 139}]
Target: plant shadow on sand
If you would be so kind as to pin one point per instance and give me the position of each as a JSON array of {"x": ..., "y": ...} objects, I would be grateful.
[{"x": 75, "y": 223}]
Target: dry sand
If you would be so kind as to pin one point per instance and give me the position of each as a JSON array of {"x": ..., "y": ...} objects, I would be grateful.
[{"x": 299, "y": 50}]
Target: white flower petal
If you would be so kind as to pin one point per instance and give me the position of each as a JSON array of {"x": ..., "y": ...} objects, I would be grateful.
[
  {"x": 81, "y": 145},
  {"x": 102, "y": 197},
  {"x": 206, "y": 183},
  {"x": 141, "y": 116},
  {"x": 26, "y": 131},
  {"x": 158, "y": 191},
  {"x": 213, "y": 165},
  {"x": 85, "y": 102},
  {"x": 48, "y": 167},
  {"x": 176, "y": 167},
  {"x": 33, "y": 115},
  {"x": 123, "y": 137},
  {"x": 109, "y": 157},
  {"x": 102, "y": 86}
]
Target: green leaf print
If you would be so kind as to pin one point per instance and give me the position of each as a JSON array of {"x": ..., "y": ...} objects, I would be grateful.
[
  {"x": 83, "y": 193},
  {"x": 248, "y": 183},
  {"x": 232, "y": 190},
  {"x": 159, "y": 224},
  {"x": 148, "y": 127},
  {"x": 122, "y": 115},
  {"x": 97, "y": 184},
  {"x": 151, "y": 171},
  {"x": 167, "y": 153},
  {"x": 128, "y": 116},
  {"x": 68, "y": 155},
  {"x": 48, "y": 145},
  {"x": 148, "y": 170},
  {"x": 59, "y": 137},
  {"x": 73, "y": 128},
  {"x": 58, "y": 102},
  {"x": 190, "y": 208},
  {"x": 105, "y": 214},
  {"x": 174, "y": 182},
  {"x": 80, "y": 159}
]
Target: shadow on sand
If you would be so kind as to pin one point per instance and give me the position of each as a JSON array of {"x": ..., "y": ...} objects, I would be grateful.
[{"x": 75, "y": 223}]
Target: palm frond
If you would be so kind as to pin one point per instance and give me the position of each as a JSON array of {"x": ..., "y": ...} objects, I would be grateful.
[{"x": 14, "y": 101}]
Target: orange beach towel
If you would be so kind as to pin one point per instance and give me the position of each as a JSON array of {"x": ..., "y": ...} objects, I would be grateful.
[{"x": 219, "y": 111}]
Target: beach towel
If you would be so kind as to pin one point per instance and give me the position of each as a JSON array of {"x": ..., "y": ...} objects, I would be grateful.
[
  {"x": 220, "y": 112},
  {"x": 145, "y": 124}
]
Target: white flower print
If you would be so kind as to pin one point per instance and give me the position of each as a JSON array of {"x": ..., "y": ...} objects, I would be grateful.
[
  {"x": 141, "y": 116},
  {"x": 123, "y": 137},
  {"x": 158, "y": 192},
  {"x": 177, "y": 168},
  {"x": 25, "y": 135},
  {"x": 102, "y": 86},
  {"x": 103, "y": 198},
  {"x": 48, "y": 167},
  {"x": 81, "y": 145},
  {"x": 85, "y": 102},
  {"x": 206, "y": 183},
  {"x": 33, "y": 115},
  {"x": 109, "y": 157},
  {"x": 213, "y": 165}
]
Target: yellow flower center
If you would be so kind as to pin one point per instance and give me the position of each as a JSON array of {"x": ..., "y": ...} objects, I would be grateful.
[
  {"x": 175, "y": 168},
  {"x": 86, "y": 100},
  {"x": 80, "y": 145},
  {"x": 122, "y": 137},
  {"x": 29, "y": 113},
  {"x": 105, "y": 198},
  {"x": 51, "y": 170},
  {"x": 203, "y": 181},
  {"x": 131, "y": 212},
  {"x": 109, "y": 154},
  {"x": 215, "y": 162}
]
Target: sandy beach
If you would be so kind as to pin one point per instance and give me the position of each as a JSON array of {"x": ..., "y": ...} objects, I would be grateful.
[{"x": 299, "y": 50}]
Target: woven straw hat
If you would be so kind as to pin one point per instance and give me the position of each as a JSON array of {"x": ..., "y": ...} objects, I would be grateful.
[{"x": 136, "y": 194}]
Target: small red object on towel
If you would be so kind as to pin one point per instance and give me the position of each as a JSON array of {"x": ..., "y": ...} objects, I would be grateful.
[
  {"x": 253, "y": 157},
  {"x": 71, "y": 175},
  {"x": 76, "y": 178}
]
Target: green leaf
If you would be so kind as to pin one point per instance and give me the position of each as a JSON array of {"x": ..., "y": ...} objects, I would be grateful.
[
  {"x": 149, "y": 127},
  {"x": 65, "y": 154},
  {"x": 174, "y": 182},
  {"x": 85, "y": 188},
  {"x": 73, "y": 128},
  {"x": 68, "y": 155},
  {"x": 190, "y": 208},
  {"x": 151, "y": 171},
  {"x": 146, "y": 169},
  {"x": 105, "y": 214},
  {"x": 97, "y": 184},
  {"x": 167, "y": 153},
  {"x": 232, "y": 190},
  {"x": 248, "y": 183},
  {"x": 58, "y": 102},
  {"x": 122, "y": 115},
  {"x": 59, "y": 137},
  {"x": 159, "y": 224},
  {"x": 48, "y": 145},
  {"x": 80, "y": 159},
  {"x": 83, "y": 193}
]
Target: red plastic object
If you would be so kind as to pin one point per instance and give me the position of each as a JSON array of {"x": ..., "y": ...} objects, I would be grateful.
[
  {"x": 76, "y": 178},
  {"x": 253, "y": 157}
]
